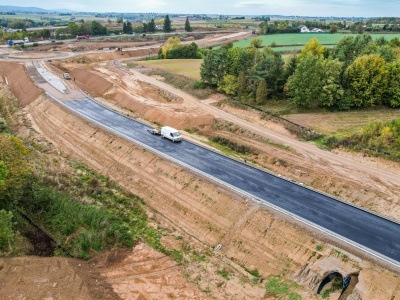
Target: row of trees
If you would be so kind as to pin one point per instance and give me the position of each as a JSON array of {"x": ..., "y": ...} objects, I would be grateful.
[
  {"x": 91, "y": 28},
  {"x": 152, "y": 26},
  {"x": 247, "y": 73},
  {"x": 358, "y": 72},
  {"x": 285, "y": 26}
]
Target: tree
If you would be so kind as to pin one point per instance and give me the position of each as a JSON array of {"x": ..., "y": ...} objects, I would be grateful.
[
  {"x": 151, "y": 27},
  {"x": 289, "y": 68},
  {"x": 312, "y": 48},
  {"x": 127, "y": 27},
  {"x": 172, "y": 43},
  {"x": 167, "y": 24},
  {"x": 393, "y": 91},
  {"x": 184, "y": 52},
  {"x": 3, "y": 173},
  {"x": 387, "y": 53},
  {"x": 367, "y": 78},
  {"x": 256, "y": 43},
  {"x": 145, "y": 27},
  {"x": 59, "y": 31},
  {"x": 84, "y": 28},
  {"x": 237, "y": 60},
  {"x": 276, "y": 77},
  {"x": 305, "y": 86},
  {"x": 332, "y": 91},
  {"x": 213, "y": 68},
  {"x": 188, "y": 28},
  {"x": 73, "y": 29},
  {"x": 349, "y": 48},
  {"x": 270, "y": 66},
  {"x": 242, "y": 84},
  {"x": 97, "y": 29},
  {"x": 229, "y": 85},
  {"x": 333, "y": 29},
  {"x": 261, "y": 94},
  {"x": 120, "y": 20}
]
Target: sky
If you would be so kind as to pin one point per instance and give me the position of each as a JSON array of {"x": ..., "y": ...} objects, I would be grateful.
[{"x": 337, "y": 8}]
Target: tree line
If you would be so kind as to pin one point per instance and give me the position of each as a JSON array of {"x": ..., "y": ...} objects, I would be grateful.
[
  {"x": 358, "y": 72},
  {"x": 286, "y": 26},
  {"x": 151, "y": 26}
]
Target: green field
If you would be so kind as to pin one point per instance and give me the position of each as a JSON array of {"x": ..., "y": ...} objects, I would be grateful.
[
  {"x": 300, "y": 39},
  {"x": 186, "y": 67},
  {"x": 38, "y": 17},
  {"x": 56, "y": 17},
  {"x": 343, "y": 123}
]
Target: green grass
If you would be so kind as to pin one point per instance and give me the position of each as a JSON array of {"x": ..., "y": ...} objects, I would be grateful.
[
  {"x": 186, "y": 67},
  {"x": 184, "y": 83},
  {"x": 300, "y": 39},
  {"x": 224, "y": 273},
  {"x": 340, "y": 123},
  {"x": 282, "y": 289}
]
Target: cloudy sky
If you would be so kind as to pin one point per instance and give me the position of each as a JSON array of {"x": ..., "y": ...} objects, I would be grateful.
[{"x": 345, "y": 8}]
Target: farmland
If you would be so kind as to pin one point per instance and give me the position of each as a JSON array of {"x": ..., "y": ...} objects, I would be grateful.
[
  {"x": 300, "y": 39},
  {"x": 343, "y": 123},
  {"x": 186, "y": 67}
]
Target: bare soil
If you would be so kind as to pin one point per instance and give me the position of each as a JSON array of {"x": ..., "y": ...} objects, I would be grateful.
[{"x": 203, "y": 213}]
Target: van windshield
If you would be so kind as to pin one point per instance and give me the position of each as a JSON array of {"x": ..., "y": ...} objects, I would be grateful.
[{"x": 176, "y": 134}]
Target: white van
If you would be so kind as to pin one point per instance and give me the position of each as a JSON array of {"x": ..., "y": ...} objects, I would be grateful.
[{"x": 171, "y": 134}]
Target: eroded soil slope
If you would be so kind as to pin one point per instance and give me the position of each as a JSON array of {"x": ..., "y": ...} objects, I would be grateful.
[{"x": 250, "y": 235}]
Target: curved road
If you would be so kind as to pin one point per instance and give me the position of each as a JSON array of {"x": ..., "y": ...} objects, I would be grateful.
[{"x": 376, "y": 235}]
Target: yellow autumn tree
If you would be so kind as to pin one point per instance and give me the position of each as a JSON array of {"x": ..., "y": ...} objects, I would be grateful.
[
  {"x": 312, "y": 48},
  {"x": 172, "y": 43}
]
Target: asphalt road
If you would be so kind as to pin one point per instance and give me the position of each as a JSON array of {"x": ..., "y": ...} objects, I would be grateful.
[{"x": 370, "y": 231}]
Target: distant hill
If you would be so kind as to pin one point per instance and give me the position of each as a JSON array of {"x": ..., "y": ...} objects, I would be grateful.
[{"x": 19, "y": 9}]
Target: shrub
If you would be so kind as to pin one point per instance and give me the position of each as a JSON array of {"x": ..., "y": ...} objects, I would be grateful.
[
  {"x": 279, "y": 287},
  {"x": 198, "y": 85},
  {"x": 6, "y": 229}
]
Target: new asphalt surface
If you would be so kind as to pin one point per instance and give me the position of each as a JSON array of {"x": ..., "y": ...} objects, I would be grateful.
[{"x": 368, "y": 230}]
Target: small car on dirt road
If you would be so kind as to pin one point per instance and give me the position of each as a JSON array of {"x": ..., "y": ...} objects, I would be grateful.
[
  {"x": 66, "y": 76},
  {"x": 155, "y": 131}
]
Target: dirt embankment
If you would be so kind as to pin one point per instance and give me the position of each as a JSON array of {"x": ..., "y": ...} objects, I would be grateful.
[
  {"x": 22, "y": 86},
  {"x": 153, "y": 104},
  {"x": 250, "y": 236}
]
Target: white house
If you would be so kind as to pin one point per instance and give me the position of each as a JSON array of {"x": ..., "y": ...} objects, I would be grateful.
[
  {"x": 316, "y": 30},
  {"x": 304, "y": 28}
]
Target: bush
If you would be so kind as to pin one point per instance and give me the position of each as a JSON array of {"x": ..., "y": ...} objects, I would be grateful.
[
  {"x": 199, "y": 85},
  {"x": 184, "y": 52},
  {"x": 6, "y": 229},
  {"x": 87, "y": 227},
  {"x": 232, "y": 145},
  {"x": 279, "y": 287}
]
